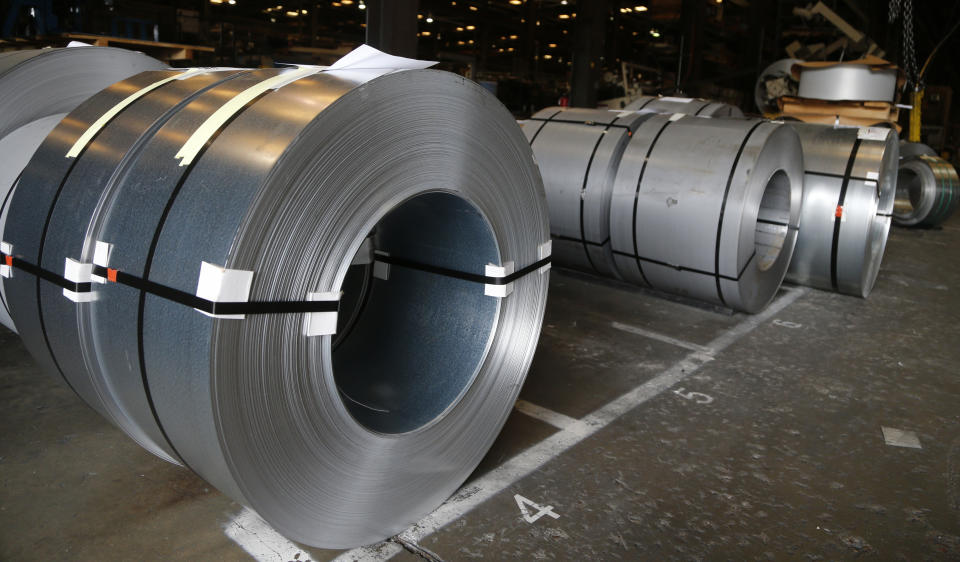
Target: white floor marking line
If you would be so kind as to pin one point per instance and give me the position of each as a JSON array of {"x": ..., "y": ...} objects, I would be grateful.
[
  {"x": 260, "y": 540},
  {"x": 505, "y": 475},
  {"x": 660, "y": 337},
  {"x": 556, "y": 419}
]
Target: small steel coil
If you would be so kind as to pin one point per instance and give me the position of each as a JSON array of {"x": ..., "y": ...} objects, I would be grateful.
[
  {"x": 928, "y": 189},
  {"x": 849, "y": 185}
]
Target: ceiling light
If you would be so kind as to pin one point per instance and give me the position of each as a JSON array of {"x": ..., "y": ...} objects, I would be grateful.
[
  {"x": 552, "y": 45},
  {"x": 547, "y": 57},
  {"x": 429, "y": 20},
  {"x": 304, "y": 12},
  {"x": 293, "y": 13},
  {"x": 471, "y": 27},
  {"x": 473, "y": 8},
  {"x": 516, "y": 2},
  {"x": 564, "y": 16},
  {"x": 640, "y": 8}
]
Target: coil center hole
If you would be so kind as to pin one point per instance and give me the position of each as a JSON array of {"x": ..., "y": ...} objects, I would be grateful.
[
  {"x": 773, "y": 220},
  {"x": 909, "y": 192},
  {"x": 415, "y": 339}
]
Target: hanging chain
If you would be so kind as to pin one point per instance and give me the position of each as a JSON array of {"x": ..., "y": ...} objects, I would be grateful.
[{"x": 903, "y": 9}]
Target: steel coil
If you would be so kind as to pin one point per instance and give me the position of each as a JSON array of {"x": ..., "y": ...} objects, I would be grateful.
[
  {"x": 928, "y": 189},
  {"x": 213, "y": 187},
  {"x": 849, "y": 184},
  {"x": 708, "y": 208},
  {"x": 686, "y": 106},
  {"x": 578, "y": 151},
  {"x": 37, "y": 89},
  {"x": 767, "y": 101},
  {"x": 847, "y": 82}
]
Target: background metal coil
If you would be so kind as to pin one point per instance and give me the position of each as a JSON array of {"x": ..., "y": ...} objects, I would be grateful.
[
  {"x": 781, "y": 69},
  {"x": 687, "y": 106},
  {"x": 37, "y": 89},
  {"x": 708, "y": 208},
  {"x": 849, "y": 184},
  {"x": 578, "y": 151},
  {"x": 852, "y": 82},
  {"x": 336, "y": 444},
  {"x": 928, "y": 189}
]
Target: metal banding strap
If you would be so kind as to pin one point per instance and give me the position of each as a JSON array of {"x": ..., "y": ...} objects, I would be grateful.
[
  {"x": 838, "y": 176},
  {"x": 542, "y": 125},
  {"x": 610, "y": 125},
  {"x": 702, "y": 107},
  {"x": 636, "y": 195},
  {"x": 251, "y": 307},
  {"x": 6, "y": 200},
  {"x": 839, "y": 214},
  {"x": 577, "y": 240},
  {"x": 648, "y": 102},
  {"x": 723, "y": 209},
  {"x": 583, "y": 188},
  {"x": 690, "y": 269},
  {"x": 463, "y": 275}
]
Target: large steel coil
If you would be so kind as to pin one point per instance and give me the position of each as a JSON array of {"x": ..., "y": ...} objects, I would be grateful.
[
  {"x": 708, "y": 208},
  {"x": 578, "y": 151},
  {"x": 687, "y": 106},
  {"x": 178, "y": 259},
  {"x": 928, "y": 189},
  {"x": 37, "y": 89},
  {"x": 849, "y": 184}
]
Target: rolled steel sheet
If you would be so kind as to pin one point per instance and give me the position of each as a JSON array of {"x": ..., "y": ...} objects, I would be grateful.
[
  {"x": 336, "y": 440},
  {"x": 848, "y": 82},
  {"x": 578, "y": 151},
  {"x": 708, "y": 208},
  {"x": 687, "y": 106},
  {"x": 849, "y": 185},
  {"x": 37, "y": 89},
  {"x": 928, "y": 189}
]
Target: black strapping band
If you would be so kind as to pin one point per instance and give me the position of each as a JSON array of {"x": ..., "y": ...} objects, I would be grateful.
[
  {"x": 579, "y": 241},
  {"x": 723, "y": 210},
  {"x": 839, "y": 213},
  {"x": 610, "y": 125},
  {"x": 839, "y": 176},
  {"x": 636, "y": 195},
  {"x": 463, "y": 275},
  {"x": 543, "y": 124},
  {"x": 689, "y": 269},
  {"x": 250, "y": 307}
]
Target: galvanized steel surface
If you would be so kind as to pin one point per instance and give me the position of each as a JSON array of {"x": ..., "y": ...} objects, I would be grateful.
[
  {"x": 849, "y": 186},
  {"x": 37, "y": 89},
  {"x": 335, "y": 446}
]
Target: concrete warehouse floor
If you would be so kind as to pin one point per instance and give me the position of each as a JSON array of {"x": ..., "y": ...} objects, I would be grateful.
[{"x": 653, "y": 429}]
